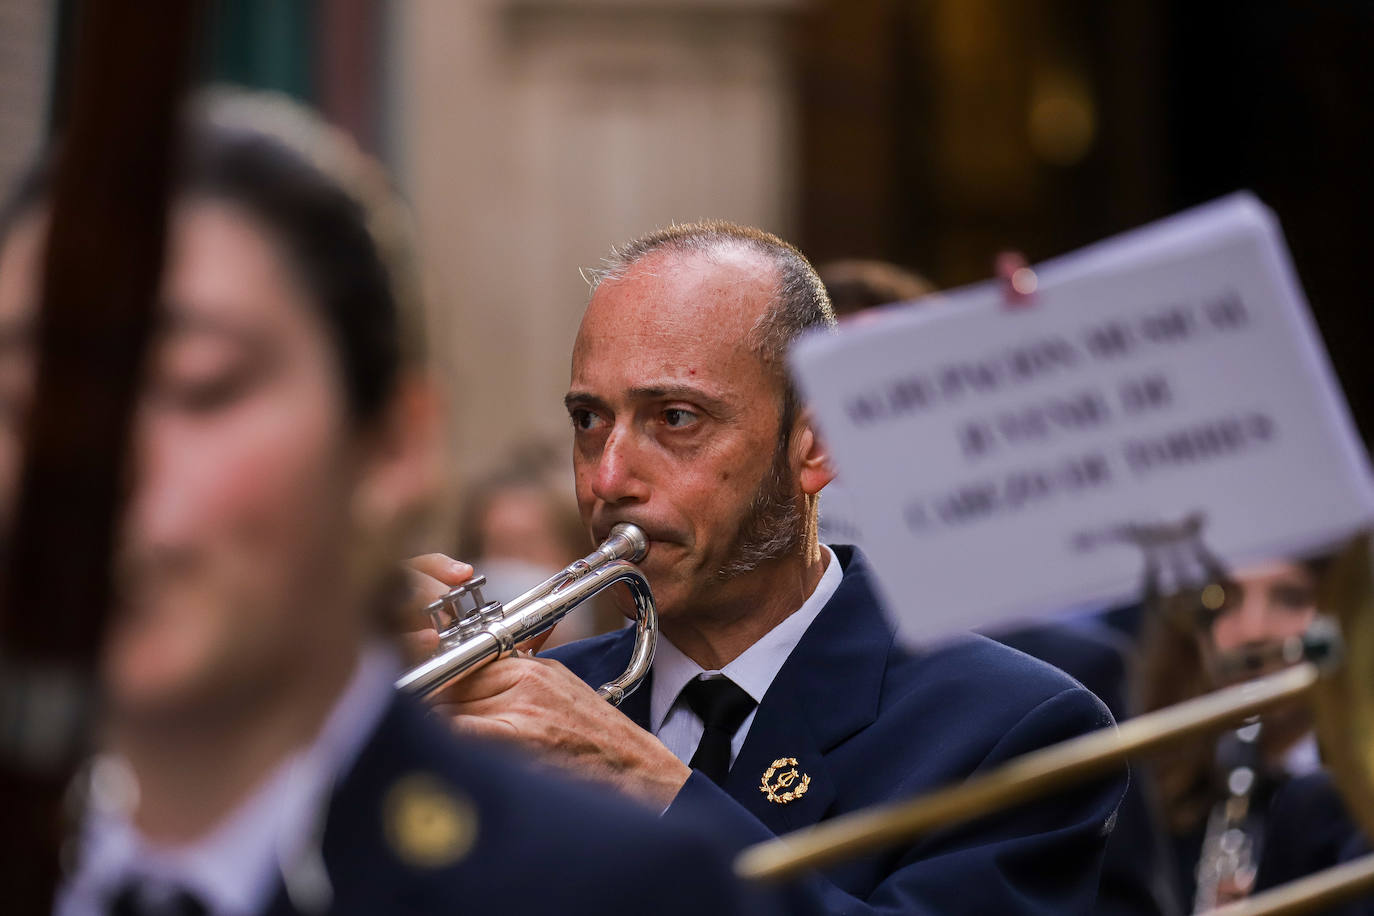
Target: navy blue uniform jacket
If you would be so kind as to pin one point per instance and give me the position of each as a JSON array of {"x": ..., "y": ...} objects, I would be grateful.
[
  {"x": 871, "y": 722},
  {"x": 539, "y": 844},
  {"x": 1138, "y": 871}
]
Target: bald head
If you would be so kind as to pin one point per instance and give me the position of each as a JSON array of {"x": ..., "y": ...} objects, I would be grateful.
[{"x": 756, "y": 284}]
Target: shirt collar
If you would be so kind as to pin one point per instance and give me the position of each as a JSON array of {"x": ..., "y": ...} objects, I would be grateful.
[
  {"x": 236, "y": 867},
  {"x": 757, "y": 666}
]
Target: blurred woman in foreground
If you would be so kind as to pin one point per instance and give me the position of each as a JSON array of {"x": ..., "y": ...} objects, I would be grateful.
[{"x": 257, "y": 758}]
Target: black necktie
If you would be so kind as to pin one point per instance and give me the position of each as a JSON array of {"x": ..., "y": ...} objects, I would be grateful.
[
  {"x": 722, "y": 705},
  {"x": 133, "y": 901}
]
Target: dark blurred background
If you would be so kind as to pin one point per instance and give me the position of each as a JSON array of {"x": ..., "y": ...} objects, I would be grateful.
[{"x": 937, "y": 132}]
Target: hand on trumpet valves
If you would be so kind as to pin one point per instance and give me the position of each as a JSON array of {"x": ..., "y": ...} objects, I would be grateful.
[
  {"x": 431, "y": 576},
  {"x": 541, "y": 705}
]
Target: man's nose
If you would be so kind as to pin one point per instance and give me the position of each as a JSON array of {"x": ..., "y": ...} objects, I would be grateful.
[{"x": 619, "y": 473}]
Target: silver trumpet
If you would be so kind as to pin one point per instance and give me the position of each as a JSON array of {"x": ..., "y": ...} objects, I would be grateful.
[{"x": 473, "y": 631}]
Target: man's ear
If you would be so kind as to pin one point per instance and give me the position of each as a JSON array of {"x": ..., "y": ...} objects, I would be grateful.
[
  {"x": 402, "y": 467},
  {"x": 813, "y": 458}
]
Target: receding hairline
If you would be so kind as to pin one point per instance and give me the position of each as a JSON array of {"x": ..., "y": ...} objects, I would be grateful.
[
  {"x": 717, "y": 241},
  {"x": 798, "y": 299},
  {"x": 703, "y": 237},
  {"x": 734, "y": 264}
]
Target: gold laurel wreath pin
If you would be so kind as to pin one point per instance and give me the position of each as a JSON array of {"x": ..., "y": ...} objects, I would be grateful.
[{"x": 780, "y": 791}]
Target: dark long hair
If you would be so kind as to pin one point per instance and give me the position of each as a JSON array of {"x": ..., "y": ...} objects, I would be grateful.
[{"x": 326, "y": 205}]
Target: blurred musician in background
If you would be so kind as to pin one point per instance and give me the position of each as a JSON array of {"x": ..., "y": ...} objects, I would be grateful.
[
  {"x": 257, "y": 758},
  {"x": 1215, "y": 795},
  {"x": 1174, "y": 821},
  {"x": 778, "y": 696},
  {"x": 855, "y": 284}
]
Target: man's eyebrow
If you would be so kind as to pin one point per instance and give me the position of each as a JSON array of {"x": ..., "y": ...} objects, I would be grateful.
[
  {"x": 678, "y": 393},
  {"x": 654, "y": 393},
  {"x": 582, "y": 399}
]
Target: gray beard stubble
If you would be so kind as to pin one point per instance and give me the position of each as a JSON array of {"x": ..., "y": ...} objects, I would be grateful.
[{"x": 774, "y": 526}]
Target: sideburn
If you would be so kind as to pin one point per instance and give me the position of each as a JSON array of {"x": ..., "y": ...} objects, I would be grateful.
[{"x": 774, "y": 525}]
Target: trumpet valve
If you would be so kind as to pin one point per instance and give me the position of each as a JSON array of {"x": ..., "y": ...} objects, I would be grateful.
[{"x": 463, "y": 612}]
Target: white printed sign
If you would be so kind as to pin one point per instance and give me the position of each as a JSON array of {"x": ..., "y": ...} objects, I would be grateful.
[{"x": 987, "y": 450}]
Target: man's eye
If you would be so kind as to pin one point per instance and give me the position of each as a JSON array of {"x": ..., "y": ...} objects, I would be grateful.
[
  {"x": 677, "y": 417},
  {"x": 584, "y": 419}
]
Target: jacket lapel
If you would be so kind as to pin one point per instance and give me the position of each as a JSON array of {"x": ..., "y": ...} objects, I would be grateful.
[
  {"x": 781, "y": 741},
  {"x": 805, "y": 715}
]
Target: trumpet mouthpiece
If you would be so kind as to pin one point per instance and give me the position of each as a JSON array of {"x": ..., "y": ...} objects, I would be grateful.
[{"x": 635, "y": 538}]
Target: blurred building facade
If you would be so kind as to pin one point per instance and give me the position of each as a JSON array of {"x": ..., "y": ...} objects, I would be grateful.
[
  {"x": 531, "y": 135},
  {"x": 936, "y": 132}
]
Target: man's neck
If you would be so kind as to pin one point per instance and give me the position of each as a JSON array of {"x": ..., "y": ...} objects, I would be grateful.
[
  {"x": 192, "y": 775},
  {"x": 713, "y": 637}
]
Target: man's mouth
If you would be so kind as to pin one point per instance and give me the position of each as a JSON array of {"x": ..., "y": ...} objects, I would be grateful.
[{"x": 652, "y": 533}]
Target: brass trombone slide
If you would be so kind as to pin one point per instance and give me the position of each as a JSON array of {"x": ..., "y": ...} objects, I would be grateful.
[
  {"x": 1325, "y": 888},
  {"x": 1336, "y": 677},
  {"x": 1022, "y": 779}
]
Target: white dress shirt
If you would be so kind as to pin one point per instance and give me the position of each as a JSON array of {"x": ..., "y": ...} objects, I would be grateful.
[
  {"x": 273, "y": 836},
  {"x": 673, "y": 721}
]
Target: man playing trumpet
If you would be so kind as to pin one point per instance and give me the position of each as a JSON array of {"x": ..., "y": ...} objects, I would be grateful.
[{"x": 778, "y": 697}]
